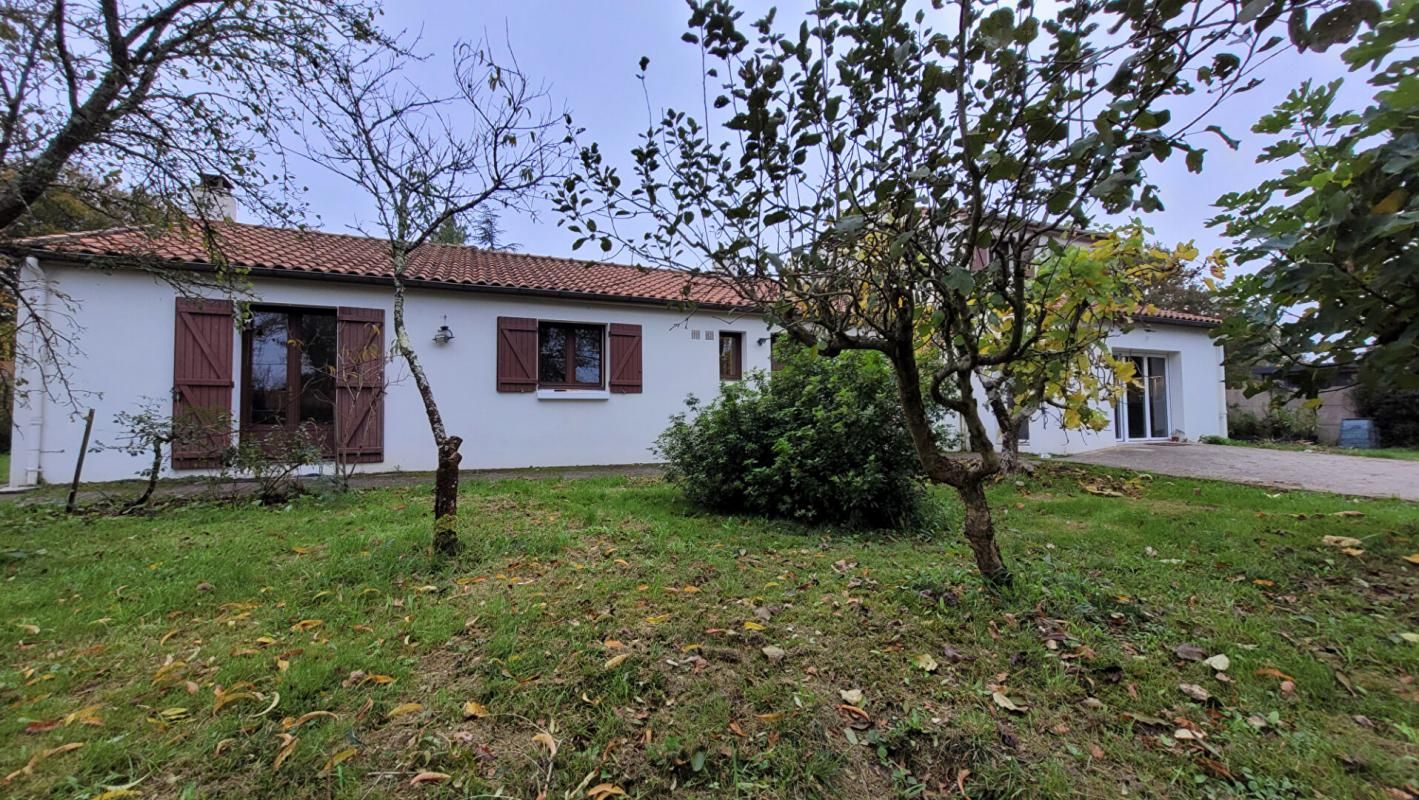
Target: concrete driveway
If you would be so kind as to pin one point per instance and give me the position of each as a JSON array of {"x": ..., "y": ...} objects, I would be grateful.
[{"x": 1322, "y": 472}]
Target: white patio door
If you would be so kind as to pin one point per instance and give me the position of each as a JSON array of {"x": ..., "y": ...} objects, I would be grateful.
[{"x": 1143, "y": 414}]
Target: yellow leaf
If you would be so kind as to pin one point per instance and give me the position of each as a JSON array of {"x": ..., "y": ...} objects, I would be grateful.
[
  {"x": 88, "y": 715},
  {"x": 925, "y": 662},
  {"x": 1413, "y": 559},
  {"x": 474, "y": 710},
  {"x": 289, "y": 723},
  {"x": 429, "y": 777},
  {"x": 340, "y": 757},
  {"x": 307, "y": 624},
  {"x": 115, "y": 794},
  {"x": 382, "y": 680},
  {"x": 750, "y": 625},
  {"x": 28, "y": 768},
  {"x": 616, "y": 661},
  {"x": 404, "y": 709},
  {"x": 613, "y": 644},
  {"x": 225, "y": 699},
  {"x": 288, "y": 746},
  {"x": 601, "y": 791},
  {"x": 1391, "y": 204},
  {"x": 656, "y": 619},
  {"x": 546, "y": 740}
]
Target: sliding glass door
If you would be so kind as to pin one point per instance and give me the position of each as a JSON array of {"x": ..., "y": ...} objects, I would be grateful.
[{"x": 1143, "y": 414}]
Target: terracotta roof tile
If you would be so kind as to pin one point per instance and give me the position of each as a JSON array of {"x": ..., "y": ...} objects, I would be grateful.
[
  {"x": 303, "y": 251},
  {"x": 1183, "y": 317}
]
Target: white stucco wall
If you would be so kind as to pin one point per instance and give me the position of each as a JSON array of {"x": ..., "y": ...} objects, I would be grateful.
[
  {"x": 1196, "y": 390},
  {"x": 123, "y": 332}
]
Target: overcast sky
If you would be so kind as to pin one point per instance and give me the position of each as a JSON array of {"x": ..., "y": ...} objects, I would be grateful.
[{"x": 587, "y": 53}]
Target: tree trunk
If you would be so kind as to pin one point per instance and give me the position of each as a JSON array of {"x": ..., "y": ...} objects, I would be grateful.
[
  {"x": 446, "y": 497},
  {"x": 980, "y": 534},
  {"x": 446, "y": 474}
]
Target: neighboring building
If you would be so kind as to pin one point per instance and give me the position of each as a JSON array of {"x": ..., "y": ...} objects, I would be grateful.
[
  {"x": 552, "y": 362},
  {"x": 1182, "y": 396},
  {"x": 535, "y": 361},
  {"x": 1338, "y": 402}
]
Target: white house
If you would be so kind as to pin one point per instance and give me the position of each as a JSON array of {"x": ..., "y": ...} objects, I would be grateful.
[{"x": 535, "y": 361}]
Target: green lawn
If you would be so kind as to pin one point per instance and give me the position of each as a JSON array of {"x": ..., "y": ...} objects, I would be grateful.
[
  {"x": 1402, "y": 453},
  {"x": 605, "y": 633}
]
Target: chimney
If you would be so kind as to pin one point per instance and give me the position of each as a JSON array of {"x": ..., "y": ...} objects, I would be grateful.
[{"x": 213, "y": 197}]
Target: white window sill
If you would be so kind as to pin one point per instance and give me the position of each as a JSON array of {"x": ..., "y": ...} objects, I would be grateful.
[{"x": 573, "y": 394}]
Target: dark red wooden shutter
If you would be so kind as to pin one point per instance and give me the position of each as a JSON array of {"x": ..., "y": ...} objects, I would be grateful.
[
  {"x": 517, "y": 354},
  {"x": 359, "y": 384},
  {"x": 202, "y": 382},
  {"x": 625, "y": 358}
]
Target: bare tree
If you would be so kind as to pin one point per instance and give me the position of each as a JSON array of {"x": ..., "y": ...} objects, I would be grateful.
[
  {"x": 118, "y": 107},
  {"x": 424, "y": 159}
]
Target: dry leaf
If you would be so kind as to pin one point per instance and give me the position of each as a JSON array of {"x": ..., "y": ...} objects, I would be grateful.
[
  {"x": 307, "y": 624},
  {"x": 546, "y": 740},
  {"x": 28, "y": 768},
  {"x": 115, "y": 794},
  {"x": 750, "y": 625},
  {"x": 1194, "y": 691},
  {"x": 429, "y": 777},
  {"x": 1413, "y": 559},
  {"x": 289, "y": 723},
  {"x": 926, "y": 662},
  {"x": 1008, "y": 704},
  {"x": 852, "y": 697},
  {"x": 1340, "y": 541},
  {"x": 381, "y": 680},
  {"x": 616, "y": 661},
  {"x": 1219, "y": 662},
  {"x": 340, "y": 757},
  {"x": 288, "y": 746},
  {"x": 1189, "y": 652},
  {"x": 474, "y": 710},
  {"x": 404, "y": 709},
  {"x": 601, "y": 791}
]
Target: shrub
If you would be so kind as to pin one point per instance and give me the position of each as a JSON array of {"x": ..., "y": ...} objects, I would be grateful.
[
  {"x": 1393, "y": 413},
  {"x": 818, "y": 440},
  {"x": 1279, "y": 423}
]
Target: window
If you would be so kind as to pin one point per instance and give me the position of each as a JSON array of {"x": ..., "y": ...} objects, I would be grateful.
[
  {"x": 289, "y": 369},
  {"x": 569, "y": 356},
  {"x": 731, "y": 356}
]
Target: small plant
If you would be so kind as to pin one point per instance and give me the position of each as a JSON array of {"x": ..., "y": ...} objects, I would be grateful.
[
  {"x": 151, "y": 431},
  {"x": 1280, "y": 423},
  {"x": 818, "y": 440},
  {"x": 273, "y": 460},
  {"x": 1393, "y": 413}
]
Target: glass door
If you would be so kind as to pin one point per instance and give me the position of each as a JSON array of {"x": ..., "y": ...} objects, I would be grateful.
[{"x": 1143, "y": 414}]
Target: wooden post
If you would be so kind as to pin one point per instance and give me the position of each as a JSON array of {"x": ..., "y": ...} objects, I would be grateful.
[{"x": 79, "y": 465}]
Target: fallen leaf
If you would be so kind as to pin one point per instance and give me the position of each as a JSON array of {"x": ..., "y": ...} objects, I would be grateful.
[
  {"x": 852, "y": 697},
  {"x": 750, "y": 625},
  {"x": 546, "y": 740},
  {"x": 616, "y": 661},
  {"x": 1194, "y": 691},
  {"x": 1008, "y": 704},
  {"x": 429, "y": 777},
  {"x": 307, "y": 624},
  {"x": 1412, "y": 638},
  {"x": 614, "y": 644},
  {"x": 1219, "y": 662},
  {"x": 773, "y": 654},
  {"x": 1189, "y": 652},
  {"x": 1348, "y": 514},
  {"x": 404, "y": 709},
  {"x": 474, "y": 710},
  {"x": 1340, "y": 541},
  {"x": 116, "y": 794},
  {"x": 925, "y": 662},
  {"x": 1353, "y": 552},
  {"x": 380, "y": 680},
  {"x": 1272, "y": 672},
  {"x": 42, "y": 725},
  {"x": 289, "y": 723},
  {"x": 1413, "y": 559},
  {"x": 601, "y": 791},
  {"x": 28, "y": 768},
  {"x": 340, "y": 757},
  {"x": 32, "y": 630},
  {"x": 288, "y": 746}
]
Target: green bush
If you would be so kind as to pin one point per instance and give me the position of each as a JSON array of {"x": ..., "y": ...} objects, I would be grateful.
[
  {"x": 818, "y": 440},
  {"x": 1278, "y": 424},
  {"x": 1394, "y": 414}
]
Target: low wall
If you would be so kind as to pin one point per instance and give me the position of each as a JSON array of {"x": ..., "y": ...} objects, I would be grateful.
[{"x": 1336, "y": 405}]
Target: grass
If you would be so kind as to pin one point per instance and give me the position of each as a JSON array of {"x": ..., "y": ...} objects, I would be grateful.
[
  {"x": 4, "y": 468},
  {"x": 1400, "y": 453},
  {"x": 183, "y": 650}
]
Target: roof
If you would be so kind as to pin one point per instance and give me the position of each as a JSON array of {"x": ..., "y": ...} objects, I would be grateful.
[
  {"x": 1166, "y": 315},
  {"x": 307, "y": 253},
  {"x": 311, "y": 254}
]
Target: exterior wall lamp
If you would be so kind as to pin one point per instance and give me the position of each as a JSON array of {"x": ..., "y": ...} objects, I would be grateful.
[{"x": 444, "y": 334}]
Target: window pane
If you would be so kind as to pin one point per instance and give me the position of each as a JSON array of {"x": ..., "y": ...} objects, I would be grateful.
[
  {"x": 1158, "y": 396},
  {"x": 269, "y": 337},
  {"x": 1137, "y": 419},
  {"x": 728, "y": 355},
  {"x": 552, "y": 354},
  {"x": 588, "y": 355},
  {"x": 318, "y": 368}
]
